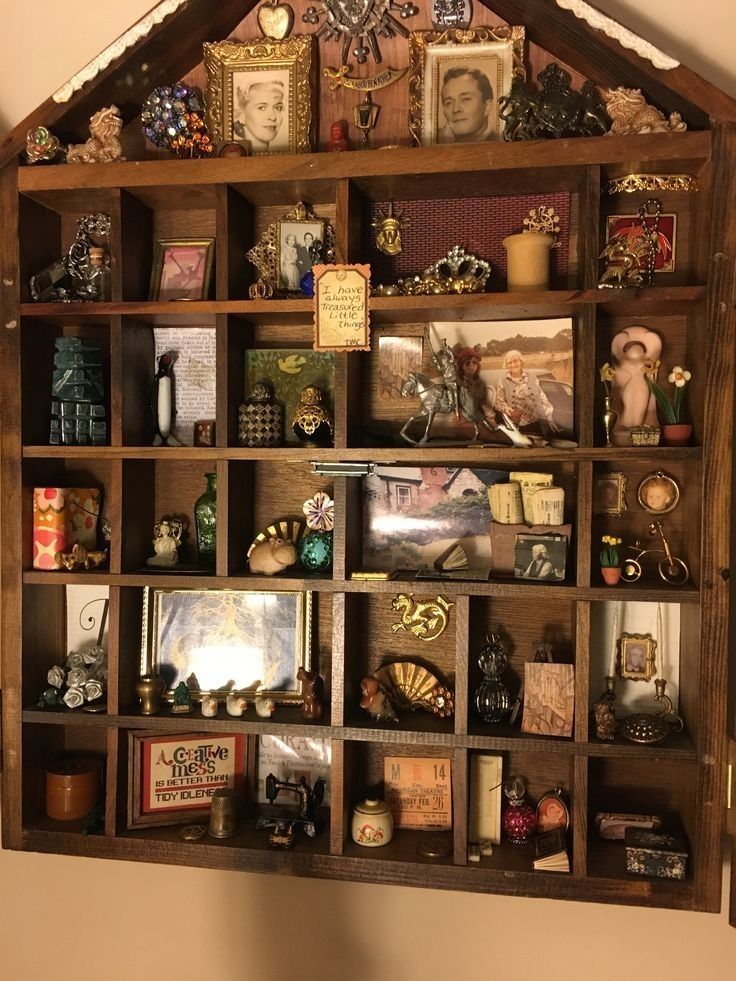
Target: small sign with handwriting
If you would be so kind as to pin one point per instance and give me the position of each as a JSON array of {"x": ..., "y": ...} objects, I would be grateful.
[{"x": 341, "y": 319}]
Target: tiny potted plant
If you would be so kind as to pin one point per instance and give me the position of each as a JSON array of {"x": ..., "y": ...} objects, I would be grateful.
[
  {"x": 610, "y": 563},
  {"x": 674, "y": 431}
]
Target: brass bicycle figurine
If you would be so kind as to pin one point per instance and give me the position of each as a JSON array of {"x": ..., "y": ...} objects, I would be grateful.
[{"x": 671, "y": 568}]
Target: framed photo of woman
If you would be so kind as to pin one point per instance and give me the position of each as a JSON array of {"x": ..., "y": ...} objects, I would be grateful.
[
  {"x": 260, "y": 93},
  {"x": 456, "y": 79}
]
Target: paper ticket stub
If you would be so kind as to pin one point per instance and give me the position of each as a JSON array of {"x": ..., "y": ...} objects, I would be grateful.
[{"x": 419, "y": 791}]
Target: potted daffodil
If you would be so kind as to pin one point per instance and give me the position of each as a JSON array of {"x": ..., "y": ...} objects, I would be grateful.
[
  {"x": 610, "y": 562},
  {"x": 675, "y": 432}
]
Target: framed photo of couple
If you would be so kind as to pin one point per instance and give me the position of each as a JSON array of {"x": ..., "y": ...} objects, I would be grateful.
[
  {"x": 456, "y": 79},
  {"x": 260, "y": 93}
]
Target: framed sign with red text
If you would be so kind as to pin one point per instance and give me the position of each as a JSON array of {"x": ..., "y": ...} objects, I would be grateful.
[{"x": 173, "y": 777}]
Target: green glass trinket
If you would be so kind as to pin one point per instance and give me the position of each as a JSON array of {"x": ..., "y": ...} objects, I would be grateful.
[
  {"x": 205, "y": 519},
  {"x": 315, "y": 551}
]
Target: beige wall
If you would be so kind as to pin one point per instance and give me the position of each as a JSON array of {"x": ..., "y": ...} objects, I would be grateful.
[{"x": 59, "y": 917}]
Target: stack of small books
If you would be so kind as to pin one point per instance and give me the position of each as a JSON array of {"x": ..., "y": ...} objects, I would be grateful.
[{"x": 550, "y": 852}]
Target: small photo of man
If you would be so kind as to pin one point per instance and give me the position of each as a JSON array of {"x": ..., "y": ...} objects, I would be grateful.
[{"x": 466, "y": 111}]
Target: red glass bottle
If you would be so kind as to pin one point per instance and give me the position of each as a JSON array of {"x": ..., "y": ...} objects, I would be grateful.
[{"x": 519, "y": 819}]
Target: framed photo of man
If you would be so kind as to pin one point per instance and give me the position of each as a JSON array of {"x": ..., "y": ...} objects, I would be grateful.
[
  {"x": 456, "y": 79},
  {"x": 260, "y": 93}
]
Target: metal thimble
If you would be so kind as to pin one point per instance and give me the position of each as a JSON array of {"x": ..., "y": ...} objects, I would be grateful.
[{"x": 222, "y": 815}]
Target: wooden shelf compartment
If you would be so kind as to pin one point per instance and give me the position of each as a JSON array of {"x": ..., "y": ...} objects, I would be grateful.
[
  {"x": 523, "y": 627},
  {"x": 371, "y": 642},
  {"x": 676, "y": 654},
  {"x": 660, "y": 786},
  {"x": 681, "y": 526},
  {"x": 126, "y": 701},
  {"x": 37, "y": 368}
]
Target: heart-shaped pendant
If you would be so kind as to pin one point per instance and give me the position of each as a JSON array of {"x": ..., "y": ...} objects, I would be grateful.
[{"x": 275, "y": 19}]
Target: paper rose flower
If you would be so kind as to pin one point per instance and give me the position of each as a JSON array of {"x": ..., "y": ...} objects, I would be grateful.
[
  {"x": 92, "y": 690},
  {"x": 55, "y": 676},
  {"x": 93, "y": 655},
  {"x": 76, "y": 677},
  {"x": 320, "y": 512},
  {"x": 73, "y": 698},
  {"x": 75, "y": 660}
]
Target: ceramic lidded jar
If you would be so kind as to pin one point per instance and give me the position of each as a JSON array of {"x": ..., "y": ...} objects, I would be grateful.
[
  {"x": 260, "y": 418},
  {"x": 372, "y": 824}
]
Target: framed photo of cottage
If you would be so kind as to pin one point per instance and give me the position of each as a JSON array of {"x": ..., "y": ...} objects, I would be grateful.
[
  {"x": 182, "y": 269},
  {"x": 456, "y": 79},
  {"x": 226, "y": 641},
  {"x": 260, "y": 93},
  {"x": 172, "y": 777},
  {"x": 637, "y": 657}
]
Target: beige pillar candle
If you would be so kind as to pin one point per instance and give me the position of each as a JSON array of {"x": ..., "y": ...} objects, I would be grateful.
[{"x": 528, "y": 260}]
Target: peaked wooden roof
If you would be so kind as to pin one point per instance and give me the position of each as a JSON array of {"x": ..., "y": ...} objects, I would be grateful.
[{"x": 174, "y": 46}]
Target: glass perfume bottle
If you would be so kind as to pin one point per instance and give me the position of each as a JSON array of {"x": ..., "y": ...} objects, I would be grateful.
[
  {"x": 519, "y": 818},
  {"x": 205, "y": 519},
  {"x": 492, "y": 697},
  {"x": 97, "y": 275}
]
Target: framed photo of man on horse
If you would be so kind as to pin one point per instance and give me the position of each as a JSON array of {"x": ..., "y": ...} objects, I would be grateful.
[{"x": 493, "y": 381}]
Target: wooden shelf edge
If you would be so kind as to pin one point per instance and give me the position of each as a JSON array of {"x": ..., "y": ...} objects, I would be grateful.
[{"x": 226, "y": 856}]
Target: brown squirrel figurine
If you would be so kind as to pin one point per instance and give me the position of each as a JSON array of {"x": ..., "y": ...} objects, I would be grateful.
[{"x": 312, "y": 694}]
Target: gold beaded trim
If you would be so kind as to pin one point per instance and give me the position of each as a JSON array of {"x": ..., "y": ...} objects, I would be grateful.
[{"x": 652, "y": 182}]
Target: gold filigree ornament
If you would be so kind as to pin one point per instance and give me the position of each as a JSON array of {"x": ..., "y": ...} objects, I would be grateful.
[
  {"x": 233, "y": 66},
  {"x": 426, "y": 620},
  {"x": 266, "y": 256},
  {"x": 632, "y": 183},
  {"x": 411, "y": 686}
]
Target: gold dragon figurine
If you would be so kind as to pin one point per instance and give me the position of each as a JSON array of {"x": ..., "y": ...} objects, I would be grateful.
[{"x": 426, "y": 620}]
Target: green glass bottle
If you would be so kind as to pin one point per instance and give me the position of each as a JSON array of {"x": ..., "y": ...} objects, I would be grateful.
[{"x": 205, "y": 519}]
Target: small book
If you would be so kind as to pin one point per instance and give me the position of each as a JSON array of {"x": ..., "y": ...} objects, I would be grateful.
[
  {"x": 505, "y": 502},
  {"x": 550, "y": 852}
]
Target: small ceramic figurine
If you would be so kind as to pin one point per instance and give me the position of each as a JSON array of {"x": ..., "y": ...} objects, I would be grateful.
[
  {"x": 338, "y": 137},
  {"x": 265, "y": 706},
  {"x": 42, "y": 146},
  {"x": 182, "y": 699},
  {"x": 312, "y": 694},
  {"x": 166, "y": 541},
  {"x": 312, "y": 423},
  {"x": 104, "y": 145},
  {"x": 271, "y": 557},
  {"x": 635, "y": 351},
  {"x": 375, "y": 701},
  {"x": 162, "y": 406},
  {"x": 209, "y": 706},
  {"x": 236, "y": 704},
  {"x": 631, "y": 114},
  {"x": 80, "y": 558}
]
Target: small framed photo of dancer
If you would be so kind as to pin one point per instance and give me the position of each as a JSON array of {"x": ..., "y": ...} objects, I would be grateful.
[{"x": 182, "y": 269}]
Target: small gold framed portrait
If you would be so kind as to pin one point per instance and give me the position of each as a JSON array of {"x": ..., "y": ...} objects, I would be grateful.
[
  {"x": 609, "y": 493},
  {"x": 260, "y": 93},
  {"x": 637, "y": 657},
  {"x": 658, "y": 492},
  {"x": 456, "y": 79},
  {"x": 182, "y": 269}
]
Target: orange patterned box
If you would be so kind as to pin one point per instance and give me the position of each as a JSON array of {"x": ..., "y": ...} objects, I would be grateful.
[{"x": 62, "y": 517}]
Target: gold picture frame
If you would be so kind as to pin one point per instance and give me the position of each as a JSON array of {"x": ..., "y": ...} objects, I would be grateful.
[
  {"x": 267, "y": 255},
  {"x": 188, "y": 278},
  {"x": 609, "y": 493},
  {"x": 227, "y": 641},
  {"x": 283, "y": 71},
  {"x": 636, "y": 656},
  {"x": 486, "y": 59}
]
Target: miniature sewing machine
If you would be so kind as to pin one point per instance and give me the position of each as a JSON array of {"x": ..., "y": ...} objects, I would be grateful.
[{"x": 284, "y": 819}]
